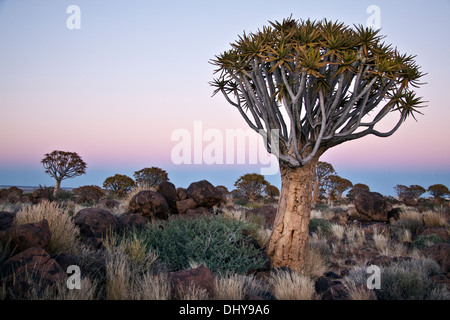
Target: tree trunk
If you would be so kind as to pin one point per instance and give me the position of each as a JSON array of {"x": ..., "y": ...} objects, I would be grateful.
[
  {"x": 288, "y": 243},
  {"x": 316, "y": 191},
  {"x": 57, "y": 187}
]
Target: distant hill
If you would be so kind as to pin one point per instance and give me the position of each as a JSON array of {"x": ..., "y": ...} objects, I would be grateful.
[{"x": 27, "y": 189}]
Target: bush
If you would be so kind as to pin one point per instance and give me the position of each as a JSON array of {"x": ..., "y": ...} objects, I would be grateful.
[
  {"x": 320, "y": 226},
  {"x": 88, "y": 194},
  {"x": 423, "y": 242},
  {"x": 410, "y": 280},
  {"x": 223, "y": 245}
]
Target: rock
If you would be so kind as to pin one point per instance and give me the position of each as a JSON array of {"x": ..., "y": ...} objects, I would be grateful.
[
  {"x": 323, "y": 283},
  {"x": 108, "y": 203},
  {"x": 88, "y": 194},
  {"x": 198, "y": 211},
  {"x": 28, "y": 235},
  {"x": 394, "y": 214},
  {"x": 441, "y": 279},
  {"x": 132, "y": 221},
  {"x": 372, "y": 206},
  {"x": 169, "y": 192},
  {"x": 6, "y": 219},
  {"x": 410, "y": 202},
  {"x": 65, "y": 260},
  {"x": 11, "y": 195},
  {"x": 441, "y": 232},
  {"x": 42, "y": 194},
  {"x": 34, "y": 262},
  {"x": 149, "y": 204},
  {"x": 440, "y": 252},
  {"x": 204, "y": 194},
  {"x": 200, "y": 277},
  {"x": 184, "y": 205},
  {"x": 336, "y": 292},
  {"x": 95, "y": 222},
  {"x": 268, "y": 213},
  {"x": 182, "y": 194}
]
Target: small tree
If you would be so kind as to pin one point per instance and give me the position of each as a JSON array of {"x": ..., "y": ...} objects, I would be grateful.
[
  {"x": 119, "y": 184},
  {"x": 336, "y": 186},
  {"x": 251, "y": 185},
  {"x": 223, "y": 191},
  {"x": 149, "y": 177},
  {"x": 438, "y": 191},
  {"x": 356, "y": 190},
  {"x": 413, "y": 191},
  {"x": 323, "y": 170},
  {"x": 63, "y": 165},
  {"x": 272, "y": 191}
]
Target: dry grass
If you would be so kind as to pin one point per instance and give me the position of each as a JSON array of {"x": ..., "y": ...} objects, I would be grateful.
[
  {"x": 118, "y": 276},
  {"x": 338, "y": 231},
  {"x": 192, "y": 293},
  {"x": 355, "y": 236},
  {"x": 230, "y": 287},
  {"x": 64, "y": 231},
  {"x": 152, "y": 287},
  {"x": 288, "y": 285},
  {"x": 434, "y": 219}
]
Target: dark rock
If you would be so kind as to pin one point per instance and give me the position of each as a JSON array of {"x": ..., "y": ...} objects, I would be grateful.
[
  {"x": 28, "y": 235},
  {"x": 182, "y": 194},
  {"x": 132, "y": 221},
  {"x": 336, "y": 292},
  {"x": 204, "y": 194},
  {"x": 95, "y": 222},
  {"x": 108, "y": 203},
  {"x": 440, "y": 252},
  {"x": 200, "y": 277},
  {"x": 169, "y": 192},
  {"x": 184, "y": 205},
  {"x": 6, "y": 219},
  {"x": 372, "y": 206},
  {"x": 149, "y": 204}
]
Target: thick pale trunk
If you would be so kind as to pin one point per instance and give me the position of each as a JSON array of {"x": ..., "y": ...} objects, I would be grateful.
[
  {"x": 316, "y": 191},
  {"x": 288, "y": 244},
  {"x": 57, "y": 187}
]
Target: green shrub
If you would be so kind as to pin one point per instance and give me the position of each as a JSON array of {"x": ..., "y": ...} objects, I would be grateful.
[
  {"x": 224, "y": 245},
  {"x": 423, "y": 242},
  {"x": 410, "y": 280},
  {"x": 321, "y": 226}
]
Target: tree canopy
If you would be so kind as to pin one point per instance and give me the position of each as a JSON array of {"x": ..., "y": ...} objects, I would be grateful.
[{"x": 319, "y": 83}]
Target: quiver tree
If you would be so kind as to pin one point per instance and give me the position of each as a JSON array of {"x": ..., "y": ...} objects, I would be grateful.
[
  {"x": 322, "y": 171},
  {"x": 336, "y": 186},
  {"x": 438, "y": 191},
  {"x": 356, "y": 190},
  {"x": 119, "y": 184},
  {"x": 251, "y": 185},
  {"x": 306, "y": 87},
  {"x": 150, "y": 177},
  {"x": 63, "y": 165}
]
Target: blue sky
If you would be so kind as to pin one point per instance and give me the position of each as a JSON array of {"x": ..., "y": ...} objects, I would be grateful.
[{"x": 116, "y": 89}]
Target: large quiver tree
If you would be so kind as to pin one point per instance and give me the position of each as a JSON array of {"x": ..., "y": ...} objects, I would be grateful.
[{"x": 318, "y": 84}]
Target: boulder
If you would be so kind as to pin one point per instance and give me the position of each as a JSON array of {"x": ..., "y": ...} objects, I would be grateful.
[
  {"x": 11, "y": 195},
  {"x": 34, "y": 262},
  {"x": 182, "y": 193},
  {"x": 108, "y": 203},
  {"x": 372, "y": 206},
  {"x": 268, "y": 213},
  {"x": 6, "y": 219},
  {"x": 440, "y": 252},
  {"x": 28, "y": 235},
  {"x": 410, "y": 202},
  {"x": 323, "y": 283},
  {"x": 200, "y": 277},
  {"x": 149, "y": 204},
  {"x": 95, "y": 222},
  {"x": 132, "y": 221},
  {"x": 184, "y": 205},
  {"x": 336, "y": 292},
  {"x": 169, "y": 192},
  {"x": 204, "y": 194}
]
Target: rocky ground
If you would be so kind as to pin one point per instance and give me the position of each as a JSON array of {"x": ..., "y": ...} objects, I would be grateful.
[{"x": 41, "y": 238}]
